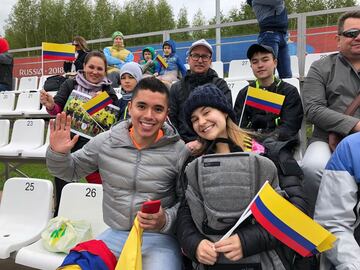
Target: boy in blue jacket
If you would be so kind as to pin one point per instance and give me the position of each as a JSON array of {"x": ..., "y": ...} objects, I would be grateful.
[{"x": 175, "y": 64}]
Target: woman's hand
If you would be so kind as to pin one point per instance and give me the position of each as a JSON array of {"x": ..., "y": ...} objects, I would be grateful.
[
  {"x": 47, "y": 100},
  {"x": 231, "y": 247},
  {"x": 153, "y": 222},
  {"x": 205, "y": 252},
  {"x": 195, "y": 147},
  {"x": 60, "y": 140}
]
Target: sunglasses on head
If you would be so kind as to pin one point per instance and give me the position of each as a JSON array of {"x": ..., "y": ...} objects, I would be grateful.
[{"x": 352, "y": 33}]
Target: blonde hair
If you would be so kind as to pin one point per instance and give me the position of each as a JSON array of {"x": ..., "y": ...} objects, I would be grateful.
[{"x": 236, "y": 134}]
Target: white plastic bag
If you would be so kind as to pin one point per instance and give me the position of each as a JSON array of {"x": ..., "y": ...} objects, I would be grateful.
[{"x": 62, "y": 234}]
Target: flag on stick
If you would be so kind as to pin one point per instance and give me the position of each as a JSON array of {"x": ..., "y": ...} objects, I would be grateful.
[
  {"x": 161, "y": 61},
  {"x": 54, "y": 51},
  {"x": 264, "y": 100},
  {"x": 131, "y": 257},
  {"x": 97, "y": 103},
  {"x": 288, "y": 224}
]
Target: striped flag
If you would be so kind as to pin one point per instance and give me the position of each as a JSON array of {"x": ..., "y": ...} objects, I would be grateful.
[
  {"x": 264, "y": 100},
  {"x": 288, "y": 224},
  {"x": 54, "y": 51},
  {"x": 97, "y": 103},
  {"x": 161, "y": 61}
]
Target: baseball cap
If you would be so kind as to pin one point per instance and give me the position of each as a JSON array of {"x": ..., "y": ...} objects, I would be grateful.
[
  {"x": 259, "y": 48},
  {"x": 201, "y": 42}
]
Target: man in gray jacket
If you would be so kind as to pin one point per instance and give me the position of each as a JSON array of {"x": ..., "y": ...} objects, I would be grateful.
[
  {"x": 330, "y": 87},
  {"x": 138, "y": 160}
]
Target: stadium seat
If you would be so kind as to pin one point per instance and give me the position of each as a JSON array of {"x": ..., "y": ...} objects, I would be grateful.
[
  {"x": 27, "y": 103},
  {"x": 25, "y": 209},
  {"x": 218, "y": 66},
  {"x": 39, "y": 152},
  {"x": 187, "y": 66},
  {"x": 15, "y": 83},
  {"x": 311, "y": 58},
  {"x": 28, "y": 83},
  {"x": 7, "y": 103},
  {"x": 42, "y": 81},
  {"x": 293, "y": 81},
  {"x": 235, "y": 86},
  {"x": 240, "y": 70},
  {"x": 4, "y": 134},
  {"x": 294, "y": 62},
  {"x": 118, "y": 92},
  {"x": 78, "y": 202},
  {"x": 26, "y": 134}
]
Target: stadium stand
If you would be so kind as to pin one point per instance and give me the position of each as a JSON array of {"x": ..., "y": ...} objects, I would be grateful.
[
  {"x": 27, "y": 134},
  {"x": 218, "y": 66},
  {"x": 312, "y": 57},
  {"x": 25, "y": 209},
  {"x": 79, "y": 201},
  {"x": 4, "y": 134},
  {"x": 28, "y": 83},
  {"x": 235, "y": 85},
  {"x": 7, "y": 102}
]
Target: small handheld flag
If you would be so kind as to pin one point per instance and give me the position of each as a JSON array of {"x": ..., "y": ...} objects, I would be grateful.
[
  {"x": 54, "y": 51},
  {"x": 288, "y": 224},
  {"x": 161, "y": 61},
  {"x": 264, "y": 100},
  {"x": 131, "y": 257},
  {"x": 97, "y": 103}
]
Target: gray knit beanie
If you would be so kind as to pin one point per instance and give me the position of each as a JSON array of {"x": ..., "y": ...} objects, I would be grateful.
[
  {"x": 208, "y": 95},
  {"x": 133, "y": 69}
]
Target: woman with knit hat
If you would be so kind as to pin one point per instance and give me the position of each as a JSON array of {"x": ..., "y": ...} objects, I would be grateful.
[
  {"x": 116, "y": 56},
  {"x": 6, "y": 66},
  {"x": 210, "y": 115}
]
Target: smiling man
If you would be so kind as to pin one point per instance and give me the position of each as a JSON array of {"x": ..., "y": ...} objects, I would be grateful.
[
  {"x": 331, "y": 85},
  {"x": 283, "y": 126},
  {"x": 138, "y": 160},
  {"x": 200, "y": 73}
]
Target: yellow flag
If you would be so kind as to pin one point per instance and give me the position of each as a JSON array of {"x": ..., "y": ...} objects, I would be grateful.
[{"x": 130, "y": 257}]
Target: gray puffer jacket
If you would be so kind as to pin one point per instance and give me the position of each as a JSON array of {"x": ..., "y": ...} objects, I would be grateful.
[{"x": 130, "y": 176}]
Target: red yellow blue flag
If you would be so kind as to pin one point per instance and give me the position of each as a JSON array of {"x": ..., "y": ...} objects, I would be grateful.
[
  {"x": 288, "y": 224},
  {"x": 131, "y": 257},
  {"x": 54, "y": 51},
  {"x": 264, "y": 100},
  {"x": 97, "y": 103},
  {"x": 161, "y": 61}
]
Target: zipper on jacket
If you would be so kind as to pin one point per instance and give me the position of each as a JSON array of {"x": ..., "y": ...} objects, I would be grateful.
[{"x": 138, "y": 158}]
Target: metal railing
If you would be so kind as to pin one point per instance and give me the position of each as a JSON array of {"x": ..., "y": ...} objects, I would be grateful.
[{"x": 301, "y": 36}]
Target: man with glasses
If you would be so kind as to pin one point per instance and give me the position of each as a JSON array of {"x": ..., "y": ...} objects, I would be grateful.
[
  {"x": 200, "y": 73},
  {"x": 331, "y": 85}
]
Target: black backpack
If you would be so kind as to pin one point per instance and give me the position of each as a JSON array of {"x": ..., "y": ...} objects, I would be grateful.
[{"x": 53, "y": 83}]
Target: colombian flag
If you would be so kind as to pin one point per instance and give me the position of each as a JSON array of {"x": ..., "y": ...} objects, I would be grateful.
[
  {"x": 161, "y": 61},
  {"x": 288, "y": 224},
  {"x": 264, "y": 100},
  {"x": 54, "y": 51},
  {"x": 97, "y": 103}
]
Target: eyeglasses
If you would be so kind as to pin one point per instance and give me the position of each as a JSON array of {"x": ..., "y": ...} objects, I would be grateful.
[
  {"x": 196, "y": 57},
  {"x": 352, "y": 33}
]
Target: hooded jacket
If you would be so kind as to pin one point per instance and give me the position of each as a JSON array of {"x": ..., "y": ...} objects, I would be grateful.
[
  {"x": 6, "y": 68},
  {"x": 149, "y": 68},
  {"x": 173, "y": 60},
  {"x": 130, "y": 176}
]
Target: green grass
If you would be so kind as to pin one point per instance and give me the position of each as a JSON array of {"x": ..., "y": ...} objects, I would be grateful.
[{"x": 33, "y": 170}]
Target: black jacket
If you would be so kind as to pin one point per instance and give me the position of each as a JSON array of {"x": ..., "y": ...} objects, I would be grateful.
[
  {"x": 254, "y": 238},
  {"x": 6, "y": 69},
  {"x": 181, "y": 90},
  {"x": 283, "y": 126},
  {"x": 79, "y": 62}
]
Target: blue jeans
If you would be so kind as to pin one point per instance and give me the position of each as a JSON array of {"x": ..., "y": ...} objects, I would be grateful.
[
  {"x": 4, "y": 87},
  {"x": 278, "y": 41},
  {"x": 159, "y": 251}
]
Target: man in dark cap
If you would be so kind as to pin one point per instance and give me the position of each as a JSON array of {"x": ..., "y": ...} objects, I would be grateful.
[{"x": 284, "y": 126}]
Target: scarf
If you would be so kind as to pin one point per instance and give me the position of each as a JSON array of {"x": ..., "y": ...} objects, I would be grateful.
[
  {"x": 84, "y": 86},
  {"x": 126, "y": 95}
]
